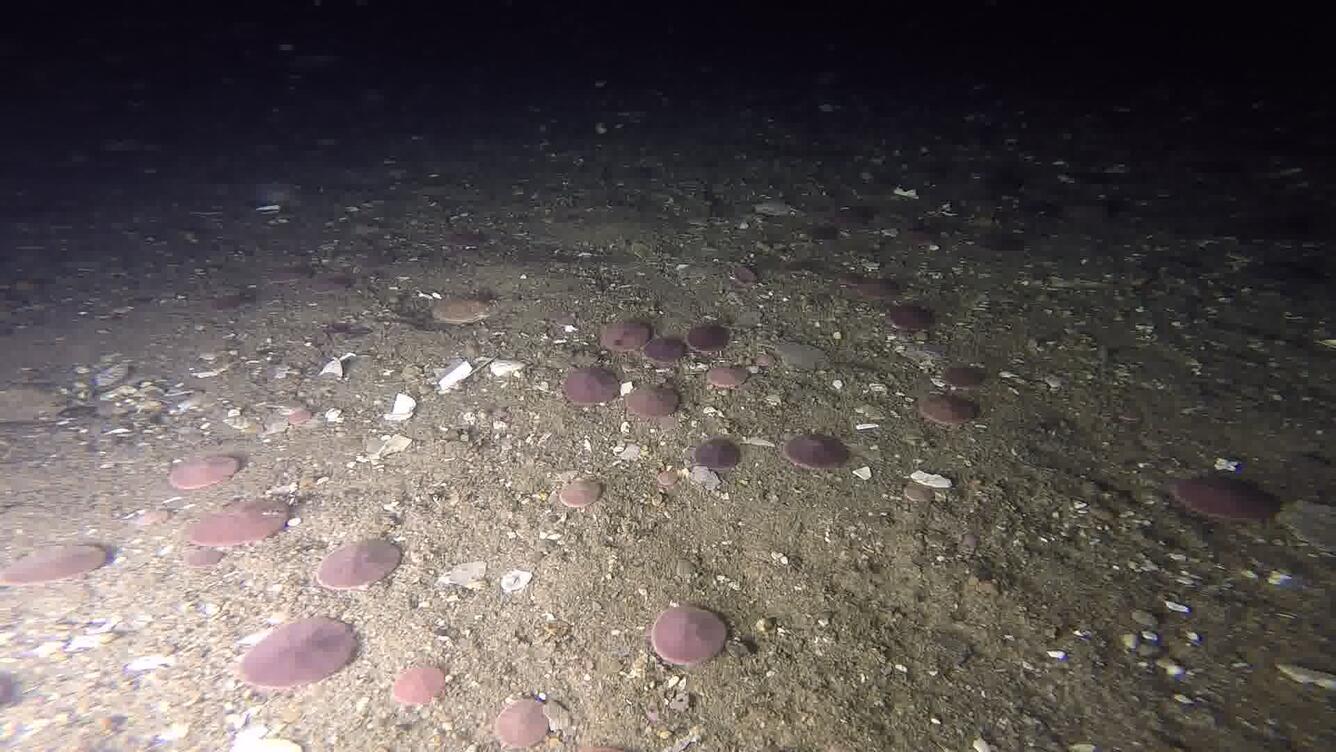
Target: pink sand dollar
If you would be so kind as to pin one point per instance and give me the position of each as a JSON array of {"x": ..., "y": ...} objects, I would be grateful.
[
  {"x": 418, "y": 685},
  {"x": 357, "y": 564},
  {"x": 816, "y": 452},
  {"x": 686, "y": 636},
  {"x": 717, "y": 454},
  {"x": 53, "y": 563},
  {"x": 652, "y": 402},
  {"x": 299, "y": 652},
  {"x": 964, "y": 377},
  {"x": 708, "y": 338},
  {"x": 1225, "y": 498},
  {"x": 726, "y": 377},
  {"x": 591, "y": 386},
  {"x": 201, "y": 558},
  {"x": 521, "y": 724},
  {"x": 203, "y": 472},
  {"x": 579, "y": 494},
  {"x": 947, "y": 409},
  {"x": 624, "y": 336},
  {"x": 238, "y": 524},
  {"x": 665, "y": 350},
  {"x": 909, "y": 318}
]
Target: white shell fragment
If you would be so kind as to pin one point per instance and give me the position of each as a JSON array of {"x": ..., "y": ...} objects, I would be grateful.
[
  {"x": 403, "y": 408},
  {"x": 453, "y": 374},
  {"x": 774, "y": 209},
  {"x": 335, "y": 367},
  {"x": 515, "y": 580},
  {"x": 1308, "y": 675},
  {"x": 931, "y": 480},
  {"x": 387, "y": 445},
  {"x": 149, "y": 663},
  {"x": 501, "y": 368},
  {"x": 468, "y": 575},
  {"x": 863, "y": 473}
]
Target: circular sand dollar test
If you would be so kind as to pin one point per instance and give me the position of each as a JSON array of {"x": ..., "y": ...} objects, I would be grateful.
[
  {"x": 201, "y": 558},
  {"x": 357, "y": 564},
  {"x": 521, "y": 724},
  {"x": 239, "y": 524},
  {"x": 707, "y": 337},
  {"x": 1225, "y": 498},
  {"x": 665, "y": 350},
  {"x": 964, "y": 377},
  {"x": 52, "y": 564},
  {"x": 458, "y": 311},
  {"x": 418, "y": 685},
  {"x": 909, "y": 318},
  {"x": 624, "y": 336},
  {"x": 192, "y": 475},
  {"x": 717, "y": 454},
  {"x": 686, "y": 636},
  {"x": 727, "y": 377},
  {"x": 816, "y": 452},
  {"x": 947, "y": 409},
  {"x": 591, "y": 386},
  {"x": 299, "y": 652},
  {"x": 579, "y": 494},
  {"x": 652, "y": 402}
]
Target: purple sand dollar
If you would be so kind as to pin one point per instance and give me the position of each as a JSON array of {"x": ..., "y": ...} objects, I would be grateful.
[
  {"x": 1225, "y": 498},
  {"x": 816, "y": 452},
  {"x": 665, "y": 350},
  {"x": 53, "y": 563},
  {"x": 963, "y": 377},
  {"x": 652, "y": 402},
  {"x": 947, "y": 409},
  {"x": 357, "y": 564},
  {"x": 591, "y": 386},
  {"x": 624, "y": 336},
  {"x": 521, "y": 724},
  {"x": 418, "y": 685},
  {"x": 201, "y": 558},
  {"x": 238, "y": 524},
  {"x": 299, "y": 652},
  {"x": 686, "y": 636},
  {"x": 707, "y": 338},
  {"x": 579, "y": 494},
  {"x": 909, "y": 318},
  {"x": 717, "y": 454},
  {"x": 726, "y": 377},
  {"x": 192, "y": 475}
]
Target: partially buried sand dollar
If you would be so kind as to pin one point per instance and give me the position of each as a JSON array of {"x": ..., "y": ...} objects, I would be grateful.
[
  {"x": 53, "y": 563},
  {"x": 238, "y": 524},
  {"x": 299, "y": 652},
  {"x": 460, "y": 310}
]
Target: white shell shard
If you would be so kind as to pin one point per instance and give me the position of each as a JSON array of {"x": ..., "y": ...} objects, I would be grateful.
[
  {"x": 467, "y": 575},
  {"x": 515, "y": 580},
  {"x": 403, "y": 408},
  {"x": 931, "y": 480},
  {"x": 453, "y": 374},
  {"x": 774, "y": 209},
  {"x": 501, "y": 368}
]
